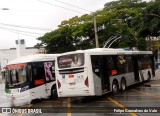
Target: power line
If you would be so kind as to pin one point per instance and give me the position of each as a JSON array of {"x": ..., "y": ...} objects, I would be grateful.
[
  {"x": 21, "y": 31},
  {"x": 95, "y": 27},
  {"x": 72, "y": 5},
  {"x": 60, "y": 6},
  {"x": 29, "y": 27},
  {"x": 18, "y": 32}
]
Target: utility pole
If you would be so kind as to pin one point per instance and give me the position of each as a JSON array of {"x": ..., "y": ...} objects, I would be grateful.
[{"x": 95, "y": 30}]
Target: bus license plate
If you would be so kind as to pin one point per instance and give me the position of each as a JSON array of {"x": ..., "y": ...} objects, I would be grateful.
[{"x": 73, "y": 83}]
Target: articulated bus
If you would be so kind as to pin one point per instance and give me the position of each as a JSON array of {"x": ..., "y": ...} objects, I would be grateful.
[
  {"x": 31, "y": 77},
  {"x": 94, "y": 72}
]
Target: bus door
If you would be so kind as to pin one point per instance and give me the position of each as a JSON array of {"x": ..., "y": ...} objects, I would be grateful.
[
  {"x": 38, "y": 80},
  {"x": 104, "y": 74},
  {"x": 136, "y": 70},
  {"x": 100, "y": 69}
]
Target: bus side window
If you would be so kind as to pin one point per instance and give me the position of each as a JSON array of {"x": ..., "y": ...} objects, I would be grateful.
[
  {"x": 49, "y": 68},
  {"x": 121, "y": 62},
  {"x": 29, "y": 72},
  {"x": 52, "y": 68},
  {"x": 95, "y": 64},
  {"x": 39, "y": 75},
  {"x": 112, "y": 68},
  {"x": 129, "y": 64},
  {"x": 144, "y": 62},
  {"x": 10, "y": 74},
  {"x": 17, "y": 79},
  {"x": 35, "y": 72}
]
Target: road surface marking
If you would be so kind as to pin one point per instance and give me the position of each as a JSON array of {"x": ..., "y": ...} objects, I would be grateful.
[
  {"x": 131, "y": 95},
  {"x": 69, "y": 107},
  {"x": 149, "y": 94},
  {"x": 30, "y": 105},
  {"x": 120, "y": 105},
  {"x": 133, "y": 101}
]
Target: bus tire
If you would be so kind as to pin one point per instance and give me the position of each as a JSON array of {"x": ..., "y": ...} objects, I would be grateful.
[
  {"x": 54, "y": 92},
  {"x": 115, "y": 87},
  {"x": 149, "y": 76},
  {"x": 123, "y": 84}
]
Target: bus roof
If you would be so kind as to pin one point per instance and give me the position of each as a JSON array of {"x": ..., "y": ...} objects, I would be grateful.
[
  {"x": 34, "y": 58},
  {"x": 117, "y": 51},
  {"x": 108, "y": 51}
]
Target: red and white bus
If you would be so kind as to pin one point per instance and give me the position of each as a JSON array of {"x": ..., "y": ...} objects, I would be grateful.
[{"x": 31, "y": 77}]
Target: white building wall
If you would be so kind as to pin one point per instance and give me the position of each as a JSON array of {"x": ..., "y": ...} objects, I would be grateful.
[{"x": 6, "y": 55}]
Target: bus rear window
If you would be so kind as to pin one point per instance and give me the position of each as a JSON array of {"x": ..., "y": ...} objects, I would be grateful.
[{"x": 71, "y": 60}]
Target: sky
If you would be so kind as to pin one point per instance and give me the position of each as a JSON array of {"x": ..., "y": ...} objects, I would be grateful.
[{"x": 30, "y": 19}]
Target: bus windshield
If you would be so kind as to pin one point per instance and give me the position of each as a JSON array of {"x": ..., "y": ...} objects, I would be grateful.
[
  {"x": 71, "y": 60},
  {"x": 15, "y": 75}
]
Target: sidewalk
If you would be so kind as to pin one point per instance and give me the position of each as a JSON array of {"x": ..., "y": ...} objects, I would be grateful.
[{"x": 155, "y": 81}]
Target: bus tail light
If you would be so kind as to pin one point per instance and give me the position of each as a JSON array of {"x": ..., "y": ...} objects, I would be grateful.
[
  {"x": 59, "y": 84},
  {"x": 86, "y": 82}
]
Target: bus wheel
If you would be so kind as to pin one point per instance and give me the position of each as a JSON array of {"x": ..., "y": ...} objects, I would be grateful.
[
  {"x": 115, "y": 87},
  {"x": 123, "y": 84},
  {"x": 149, "y": 76},
  {"x": 54, "y": 92}
]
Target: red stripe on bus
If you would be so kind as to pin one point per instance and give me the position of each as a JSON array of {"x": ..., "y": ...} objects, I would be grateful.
[{"x": 39, "y": 82}]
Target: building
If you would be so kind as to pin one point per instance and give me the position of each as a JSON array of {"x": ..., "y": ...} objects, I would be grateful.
[{"x": 6, "y": 55}]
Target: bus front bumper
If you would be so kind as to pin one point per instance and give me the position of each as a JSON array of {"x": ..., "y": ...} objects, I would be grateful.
[{"x": 19, "y": 97}]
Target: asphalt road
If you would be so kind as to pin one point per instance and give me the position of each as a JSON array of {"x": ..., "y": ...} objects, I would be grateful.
[{"x": 137, "y": 100}]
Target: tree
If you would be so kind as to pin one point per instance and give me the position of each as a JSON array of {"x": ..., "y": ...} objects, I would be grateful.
[
  {"x": 126, "y": 18},
  {"x": 58, "y": 41},
  {"x": 149, "y": 21},
  {"x": 147, "y": 24},
  {"x": 121, "y": 14}
]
